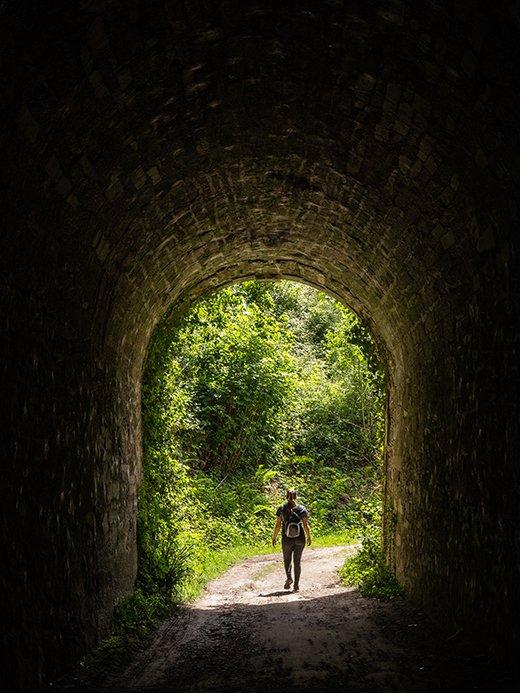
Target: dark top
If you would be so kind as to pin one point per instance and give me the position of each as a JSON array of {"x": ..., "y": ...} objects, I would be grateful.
[{"x": 283, "y": 512}]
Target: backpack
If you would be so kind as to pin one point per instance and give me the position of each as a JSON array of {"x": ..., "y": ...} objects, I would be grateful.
[{"x": 293, "y": 524}]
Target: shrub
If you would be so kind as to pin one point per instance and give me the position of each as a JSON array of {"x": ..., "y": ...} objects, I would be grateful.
[
  {"x": 136, "y": 616},
  {"x": 368, "y": 571}
]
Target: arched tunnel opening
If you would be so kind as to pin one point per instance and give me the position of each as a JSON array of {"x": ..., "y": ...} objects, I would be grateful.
[
  {"x": 154, "y": 151},
  {"x": 258, "y": 388}
]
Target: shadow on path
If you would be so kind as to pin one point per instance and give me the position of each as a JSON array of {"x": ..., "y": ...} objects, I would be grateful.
[
  {"x": 246, "y": 634},
  {"x": 341, "y": 642}
]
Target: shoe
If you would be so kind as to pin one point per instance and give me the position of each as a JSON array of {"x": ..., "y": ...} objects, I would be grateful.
[
  {"x": 296, "y": 588},
  {"x": 288, "y": 583}
]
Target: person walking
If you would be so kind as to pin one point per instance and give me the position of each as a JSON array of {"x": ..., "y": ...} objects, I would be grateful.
[{"x": 294, "y": 522}]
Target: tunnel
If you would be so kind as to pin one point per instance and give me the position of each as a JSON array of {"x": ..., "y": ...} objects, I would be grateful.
[{"x": 155, "y": 151}]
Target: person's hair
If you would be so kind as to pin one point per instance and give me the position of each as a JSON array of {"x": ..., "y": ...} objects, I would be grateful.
[{"x": 291, "y": 498}]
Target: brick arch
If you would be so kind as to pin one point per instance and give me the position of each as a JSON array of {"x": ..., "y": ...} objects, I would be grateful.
[{"x": 157, "y": 150}]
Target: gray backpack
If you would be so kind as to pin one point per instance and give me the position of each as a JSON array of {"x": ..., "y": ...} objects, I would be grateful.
[{"x": 293, "y": 525}]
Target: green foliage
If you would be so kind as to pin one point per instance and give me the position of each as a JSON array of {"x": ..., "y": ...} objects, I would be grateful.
[
  {"x": 338, "y": 500},
  {"x": 262, "y": 386},
  {"x": 338, "y": 420},
  {"x": 136, "y": 615},
  {"x": 226, "y": 376},
  {"x": 367, "y": 570}
]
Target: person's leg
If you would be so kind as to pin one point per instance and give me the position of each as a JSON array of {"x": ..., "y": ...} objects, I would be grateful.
[
  {"x": 298, "y": 550},
  {"x": 287, "y": 548}
]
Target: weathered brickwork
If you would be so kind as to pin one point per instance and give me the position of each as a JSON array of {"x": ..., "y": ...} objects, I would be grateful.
[{"x": 154, "y": 151}]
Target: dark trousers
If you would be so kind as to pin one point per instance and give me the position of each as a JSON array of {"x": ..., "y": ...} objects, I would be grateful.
[{"x": 293, "y": 547}]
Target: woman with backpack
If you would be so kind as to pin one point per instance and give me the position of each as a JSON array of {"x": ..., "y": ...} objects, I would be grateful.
[{"x": 293, "y": 520}]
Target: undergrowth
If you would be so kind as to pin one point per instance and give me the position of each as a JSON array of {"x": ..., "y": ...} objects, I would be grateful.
[{"x": 367, "y": 569}]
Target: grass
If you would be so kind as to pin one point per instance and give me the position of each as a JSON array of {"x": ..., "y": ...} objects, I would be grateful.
[
  {"x": 367, "y": 570},
  {"x": 217, "y": 562},
  {"x": 349, "y": 536}
]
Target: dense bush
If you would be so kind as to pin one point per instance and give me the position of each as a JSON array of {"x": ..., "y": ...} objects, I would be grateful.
[
  {"x": 367, "y": 569},
  {"x": 217, "y": 382}
]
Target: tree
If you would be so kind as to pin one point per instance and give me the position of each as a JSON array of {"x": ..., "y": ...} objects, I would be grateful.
[{"x": 233, "y": 366}]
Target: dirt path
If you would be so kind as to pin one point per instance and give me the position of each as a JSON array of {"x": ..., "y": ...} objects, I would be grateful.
[{"x": 248, "y": 634}]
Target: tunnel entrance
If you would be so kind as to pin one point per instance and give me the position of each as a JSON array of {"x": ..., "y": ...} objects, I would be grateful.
[{"x": 258, "y": 388}]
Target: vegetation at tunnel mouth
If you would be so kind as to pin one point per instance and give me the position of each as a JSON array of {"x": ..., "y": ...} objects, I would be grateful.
[{"x": 259, "y": 387}]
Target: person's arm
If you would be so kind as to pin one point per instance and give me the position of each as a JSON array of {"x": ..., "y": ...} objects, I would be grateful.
[
  {"x": 307, "y": 528},
  {"x": 276, "y": 529}
]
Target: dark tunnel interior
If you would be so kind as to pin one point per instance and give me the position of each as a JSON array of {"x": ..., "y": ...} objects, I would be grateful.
[{"x": 153, "y": 151}]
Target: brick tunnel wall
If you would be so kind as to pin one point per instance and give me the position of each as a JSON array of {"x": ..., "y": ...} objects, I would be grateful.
[{"x": 154, "y": 151}]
